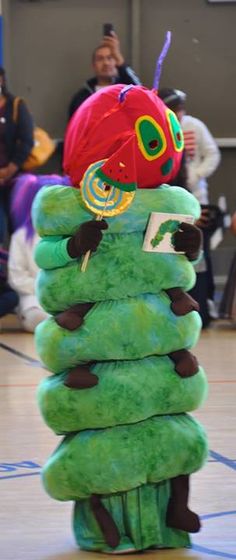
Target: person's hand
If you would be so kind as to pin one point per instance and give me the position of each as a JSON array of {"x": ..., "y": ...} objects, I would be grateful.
[
  {"x": 113, "y": 43},
  {"x": 86, "y": 238},
  {"x": 6, "y": 173},
  {"x": 204, "y": 220},
  {"x": 188, "y": 239}
]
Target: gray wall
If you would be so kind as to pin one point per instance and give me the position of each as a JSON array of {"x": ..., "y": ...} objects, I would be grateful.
[
  {"x": 201, "y": 60},
  {"x": 48, "y": 46}
]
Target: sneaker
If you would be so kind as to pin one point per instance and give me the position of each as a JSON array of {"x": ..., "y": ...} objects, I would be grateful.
[{"x": 213, "y": 313}]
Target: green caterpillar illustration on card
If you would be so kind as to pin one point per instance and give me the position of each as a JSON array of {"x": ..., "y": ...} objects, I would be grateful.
[
  {"x": 170, "y": 226},
  {"x": 159, "y": 236}
]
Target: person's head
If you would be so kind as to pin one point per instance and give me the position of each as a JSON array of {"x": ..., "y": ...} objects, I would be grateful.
[
  {"x": 3, "y": 85},
  {"x": 174, "y": 99},
  {"x": 104, "y": 64}
]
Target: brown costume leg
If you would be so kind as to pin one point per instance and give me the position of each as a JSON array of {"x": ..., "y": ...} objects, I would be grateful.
[
  {"x": 181, "y": 302},
  {"x": 81, "y": 377},
  {"x": 178, "y": 515},
  {"x": 72, "y": 318},
  {"x": 186, "y": 364},
  {"x": 105, "y": 521}
]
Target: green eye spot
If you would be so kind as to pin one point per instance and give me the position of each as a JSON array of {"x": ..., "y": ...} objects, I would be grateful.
[
  {"x": 175, "y": 131},
  {"x": 151, "y": 137}
]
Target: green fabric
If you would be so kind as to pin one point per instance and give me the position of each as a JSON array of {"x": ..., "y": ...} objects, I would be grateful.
[
  {"x": 119, "y": 269},
  {"x": 139, "y": 517},
  {"x": 125, "y": 457},
  {"x": 127, "y": 436},
  {"x": 139, "y": 389},
  {"x": 60, "y": 210},
  {"x": 51, "y": 252},
  {"x": 113, "y": 330}
]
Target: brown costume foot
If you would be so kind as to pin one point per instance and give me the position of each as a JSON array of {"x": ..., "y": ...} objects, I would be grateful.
[
  {"x": 178, "y": 515},
  {"x": 105, "y": 522},
  {"x": 72, "y": 318},
  {"x": 182, "y": 303},
  {"x": 186, "y": 364},
  {"x": 81, "y": 378}
]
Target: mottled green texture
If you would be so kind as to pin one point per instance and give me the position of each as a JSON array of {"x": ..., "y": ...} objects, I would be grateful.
[
  {"x": 140, "y": 389},
  {"x": 128, "y": 435},
  {"x": 60, "y": 210},
  {"x": 119, "y": 269},
  {"x": 114, "y": 330},
  {"x": 125, "y": 457},
  {"x": 52, "y": 251},
  {"x": 144, "y": 508}
]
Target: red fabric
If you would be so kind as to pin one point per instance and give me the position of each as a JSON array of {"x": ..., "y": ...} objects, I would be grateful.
[
  {"x": 102, "y": 124},
  {"x": 190, "y": 143}
]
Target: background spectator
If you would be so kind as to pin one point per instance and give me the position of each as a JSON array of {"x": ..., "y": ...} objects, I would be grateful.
[
  {"x": 109, "y": 68},
  {"x": 201, "y": 152},
  {"x": 8, "y": 297},
  {"x": 22, "y": 269},
  {"x": 228, "y": 301},
  {"x": 201, "y": 158},
  {"x": 16, "y": 142}
]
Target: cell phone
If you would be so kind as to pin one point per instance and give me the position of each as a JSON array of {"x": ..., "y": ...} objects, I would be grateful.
[{"x": 107, "y": 29}]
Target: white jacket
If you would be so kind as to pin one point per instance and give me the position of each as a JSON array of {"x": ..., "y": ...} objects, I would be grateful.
[
  {"x": 202, "y": 156},
  {"x": 22, "y": 270}
]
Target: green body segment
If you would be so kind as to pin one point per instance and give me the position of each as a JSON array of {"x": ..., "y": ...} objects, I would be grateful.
[
  {"x": 119, "y": 269},
  {"x": 60, "y": 211},
  {"x": 113, "y": 330},
  {"x": 140, "y": 389},
  {"x": 125, "y": 457}
]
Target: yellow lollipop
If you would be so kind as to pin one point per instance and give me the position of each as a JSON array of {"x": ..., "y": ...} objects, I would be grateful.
[
  {"x": 101, "y": 198},
  {"x": 108, "y": 186}
]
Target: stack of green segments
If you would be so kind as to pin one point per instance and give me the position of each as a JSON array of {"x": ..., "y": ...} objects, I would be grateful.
[{"x": 125, "y": 438}]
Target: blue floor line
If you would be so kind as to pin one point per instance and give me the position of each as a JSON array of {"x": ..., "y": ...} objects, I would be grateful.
[
  {"x": 224, "y": 460},
  {"x": 218, "y": 514},
  {"x": 19, "y": 475},
  {"x": 212, "y": 552}
]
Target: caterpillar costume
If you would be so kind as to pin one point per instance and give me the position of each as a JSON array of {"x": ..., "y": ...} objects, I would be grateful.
[{"x": 123, "y": 379}]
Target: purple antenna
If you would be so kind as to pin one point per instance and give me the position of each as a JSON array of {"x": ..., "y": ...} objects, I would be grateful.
[
  {"x": 159, "y": 63},
  {"x": 124, "y": 91}
]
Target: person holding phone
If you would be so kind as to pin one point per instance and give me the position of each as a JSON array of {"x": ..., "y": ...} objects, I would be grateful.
[
  {"x": 109, "y": 68},
  {"x": 201, "y": 159}
]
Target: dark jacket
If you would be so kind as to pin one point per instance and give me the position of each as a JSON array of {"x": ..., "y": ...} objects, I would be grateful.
[
  {"x": 19, "y": 134},
  {"x": 125, "y": 76},
  {"x": 180, "y": 179}
]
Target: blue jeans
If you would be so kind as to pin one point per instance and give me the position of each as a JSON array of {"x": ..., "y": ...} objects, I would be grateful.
[
  {"x": 5, "y": 197},
  {"x": 3, "y": 220},
  {"x": 8, "y": 301}
]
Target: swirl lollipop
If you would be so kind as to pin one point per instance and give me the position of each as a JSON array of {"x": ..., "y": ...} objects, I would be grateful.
[
  {"x": 108, "y": 186},
  {"x": 101, "y": 198}
]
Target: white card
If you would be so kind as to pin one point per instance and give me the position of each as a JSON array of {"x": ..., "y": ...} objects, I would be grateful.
[{"x": 160, "y": 229}]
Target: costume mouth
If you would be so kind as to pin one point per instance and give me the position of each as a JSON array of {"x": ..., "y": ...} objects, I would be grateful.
[{"x": 167, "y": 166}]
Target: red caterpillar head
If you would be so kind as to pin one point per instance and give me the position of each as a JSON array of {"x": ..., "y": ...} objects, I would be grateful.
[{"x": 109, "y": 118}]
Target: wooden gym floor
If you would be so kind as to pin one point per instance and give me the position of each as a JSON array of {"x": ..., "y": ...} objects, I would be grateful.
[{"x": 34, "y": 527}]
